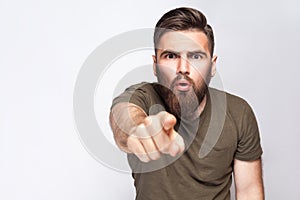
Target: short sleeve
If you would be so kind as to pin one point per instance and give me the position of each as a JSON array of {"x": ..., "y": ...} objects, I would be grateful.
[
  {"x": 249, "y": 147},
  {"x": 137, "y": 94}
]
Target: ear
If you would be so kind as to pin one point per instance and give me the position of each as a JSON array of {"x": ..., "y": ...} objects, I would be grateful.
[
  {"x": 213, "y": 66},
  {"x": 154, "y": 64}
]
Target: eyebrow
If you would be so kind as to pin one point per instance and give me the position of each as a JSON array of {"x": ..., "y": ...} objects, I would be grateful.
[
  {"x": 164, "y": 52},
  {"x": 167, "y": 51}
]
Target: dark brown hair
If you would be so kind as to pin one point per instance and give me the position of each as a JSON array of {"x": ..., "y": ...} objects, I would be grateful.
[{"x": 181, "y": 19}]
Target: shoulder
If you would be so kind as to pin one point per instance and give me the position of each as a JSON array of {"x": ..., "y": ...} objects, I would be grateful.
[
  {"x": 136, "y": 91},
  {"x": 232, "y": 102},
  {"x": 143, "y": 90},
  {"x": 237, "y": 110},
  {"x": 139, "y": 87},
  {"x": 142, "y": 94}
]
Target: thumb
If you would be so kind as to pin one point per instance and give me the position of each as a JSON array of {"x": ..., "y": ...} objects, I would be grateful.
[
  {"x": 167, "y": 120},
  {"x": 177, "y": 146}
]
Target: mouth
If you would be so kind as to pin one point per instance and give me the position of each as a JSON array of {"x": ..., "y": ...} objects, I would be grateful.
[{"x": 183, "y": 85}]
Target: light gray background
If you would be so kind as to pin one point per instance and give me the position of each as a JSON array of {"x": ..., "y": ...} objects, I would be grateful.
[{"x": 43, "y": 45}]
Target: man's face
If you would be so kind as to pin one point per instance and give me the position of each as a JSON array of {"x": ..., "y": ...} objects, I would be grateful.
[{"x": 184, "y": 66}]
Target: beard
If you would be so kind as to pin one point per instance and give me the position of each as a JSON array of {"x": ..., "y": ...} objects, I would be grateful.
[{"x": 183, "y": 104}]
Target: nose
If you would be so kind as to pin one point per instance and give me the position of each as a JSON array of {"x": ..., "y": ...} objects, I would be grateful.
[{"x": 183, "y": 66}]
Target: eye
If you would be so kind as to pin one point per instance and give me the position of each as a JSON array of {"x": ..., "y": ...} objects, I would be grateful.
[
  {"x": 171, "y": 56},
  {"x": 196, "y": 56}
]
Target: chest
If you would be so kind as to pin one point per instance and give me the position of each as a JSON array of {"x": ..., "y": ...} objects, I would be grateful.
[{"x": 210, "y": 152}]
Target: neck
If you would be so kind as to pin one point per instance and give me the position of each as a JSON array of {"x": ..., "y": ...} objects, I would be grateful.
[{"x": 200, "y": 108}]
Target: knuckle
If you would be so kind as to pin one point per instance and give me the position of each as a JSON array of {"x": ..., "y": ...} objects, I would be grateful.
[
  {"x": 143, "y": 158},
  {"x": 154, "y": 155},
  {"x": 141, "y": 132},
  {"x": 130, "y": 141},
  {"x": 162, "y": 141},
  {"x": 164, "y": 144},
  {"x": 146, "y": 142}
]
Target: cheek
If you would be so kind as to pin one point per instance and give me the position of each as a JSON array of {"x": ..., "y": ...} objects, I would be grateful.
[
  {"x": 165, "y": 75},
  {"x": 200, "y": 74}
]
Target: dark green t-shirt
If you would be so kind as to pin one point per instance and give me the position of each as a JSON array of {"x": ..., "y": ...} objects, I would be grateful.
[{"x": 226, "y": 130}]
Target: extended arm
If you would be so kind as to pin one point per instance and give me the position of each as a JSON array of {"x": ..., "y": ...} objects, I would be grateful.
[
  {"x": 123, "y": 117},
  {"x": 248, "y": 180}
]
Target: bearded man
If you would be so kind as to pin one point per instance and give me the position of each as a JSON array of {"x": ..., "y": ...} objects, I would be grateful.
[{"x": 184, "y": 139}]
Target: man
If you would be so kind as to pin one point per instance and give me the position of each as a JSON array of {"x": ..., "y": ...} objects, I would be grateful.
[{"x": 183, "y": 139}]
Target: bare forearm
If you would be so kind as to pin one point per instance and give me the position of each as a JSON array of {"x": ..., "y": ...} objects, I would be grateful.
[
  {"x": 248, "y": 180},
  {"x": 255, "y": 192},
  {"x": 123, "y": 117}
]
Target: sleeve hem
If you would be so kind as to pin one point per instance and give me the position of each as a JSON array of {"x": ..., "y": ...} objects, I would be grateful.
[{"x": 250, "y": 158}]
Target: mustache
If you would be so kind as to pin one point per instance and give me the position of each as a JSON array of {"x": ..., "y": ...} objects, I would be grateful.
[{"x": 182, "y": 76}]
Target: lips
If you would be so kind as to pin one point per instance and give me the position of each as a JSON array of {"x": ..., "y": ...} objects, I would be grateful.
[{"x": 183, "y": 85}]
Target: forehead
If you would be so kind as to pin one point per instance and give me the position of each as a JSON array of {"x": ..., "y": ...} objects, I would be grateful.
[{"x": 181, "y": 41}]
